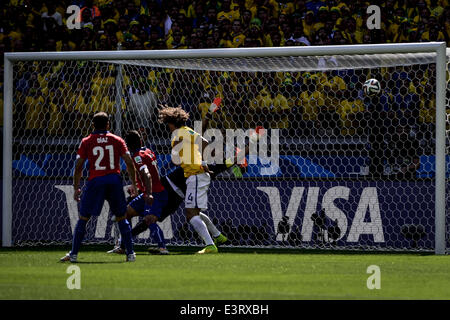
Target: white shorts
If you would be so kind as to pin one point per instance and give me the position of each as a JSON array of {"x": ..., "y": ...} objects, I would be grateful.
[{"x": 197, "y": 191}]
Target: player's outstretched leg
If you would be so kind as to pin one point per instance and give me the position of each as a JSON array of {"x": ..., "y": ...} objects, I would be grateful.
[
  {"x": 78, "y": 235},
  {"x": 119, "y": 246},
  {"x": 151, "y": 216},
  {"x": 158, "y": 236},
  {"x": 155, "y": 232},
  {"x": 202, "y": 230},
  {"x": 218, "y": 237},
  {"x": 140, "y": 227},
  {"x": 125, "y": 233},
  {"x": 196, "y": 199}
]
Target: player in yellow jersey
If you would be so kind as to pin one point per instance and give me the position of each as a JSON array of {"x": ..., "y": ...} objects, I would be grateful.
[{"x": 187, "y": 146}]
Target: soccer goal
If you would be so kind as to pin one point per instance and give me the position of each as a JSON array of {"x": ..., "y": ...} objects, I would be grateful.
[{"x": 338, "y": 166}]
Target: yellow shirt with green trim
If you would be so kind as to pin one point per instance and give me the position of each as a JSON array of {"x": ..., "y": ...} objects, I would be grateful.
[
  {"x": 236, "y": 42},
  {"x": 191, "y": 161},
  {"x": 345, "y": 109},
  {"x": 311, "y": 103},
  {"x": 35, "y": 108},
  {"x": 83, "y": 104},
  {"x": 109, "y": 106},
  {"x": 256, "y": 107},
  {"x": 102, "y": 83},
  {"x": 230, "y": 15},
  {"x": 280, "y": 104},
  {"x": 427, "y": 112},
  {"x": 287, "y": 8}
]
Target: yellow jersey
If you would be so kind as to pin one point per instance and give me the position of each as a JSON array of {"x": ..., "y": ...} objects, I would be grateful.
[
  {"x": 311, "y": 104},
  {"x": 347, "y": 110},
  {"x": 230, "y": 15},
  {"x": 237, "y": 41},
  {"x": 35, "y": 109},
  {"x": 189, "y": 153},
  {"x": 84, "y": 105},
  {"x": 107, "y": 105},
  {"x": 280, "y": 103}
]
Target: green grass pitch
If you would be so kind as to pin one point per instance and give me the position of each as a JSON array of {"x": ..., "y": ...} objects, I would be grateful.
[{"x": 35, "y": 273}]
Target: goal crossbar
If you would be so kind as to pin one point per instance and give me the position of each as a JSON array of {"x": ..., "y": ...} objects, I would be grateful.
[
  {"x": 231, "y": 52},
  {"x": 439, "y": 48}
]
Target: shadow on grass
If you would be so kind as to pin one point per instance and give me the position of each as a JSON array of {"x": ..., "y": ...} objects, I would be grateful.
[
  {"x": 179, "y": 250},
  {"x": 99, "y": 262},
  {"x": 171, "y": 254}
]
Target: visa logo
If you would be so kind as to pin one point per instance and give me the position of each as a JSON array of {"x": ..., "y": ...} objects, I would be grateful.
[{"x": 351, "y": 228}]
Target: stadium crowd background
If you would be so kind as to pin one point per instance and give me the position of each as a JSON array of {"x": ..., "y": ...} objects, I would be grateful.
[
  {"x": 28, "y": 25},
  {"x": 58, "y": 99},
  {"x": 52, "y": 98}
]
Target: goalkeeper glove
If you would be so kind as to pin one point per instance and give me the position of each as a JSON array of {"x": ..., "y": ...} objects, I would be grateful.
[
  {"x": 215, "y": 105},
  {"x": 237, "y": 172},
  {"x": 229, "y": 162},
  {"x": 244, "y": 163},
  {"x": 256, "y": 134}
]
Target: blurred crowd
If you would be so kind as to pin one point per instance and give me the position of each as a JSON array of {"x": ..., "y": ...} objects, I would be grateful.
[
  {"x": 59, "y": 98},
  {"x": 35, "y": 25},
  {"x": 51, "y": 97}
]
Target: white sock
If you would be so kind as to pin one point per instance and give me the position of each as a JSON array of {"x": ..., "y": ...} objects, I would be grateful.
[
  {"x": 201, "y": 229},
  {"x": 211, "y": 227}
]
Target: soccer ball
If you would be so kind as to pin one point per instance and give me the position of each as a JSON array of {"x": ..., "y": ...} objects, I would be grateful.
[{"x": 371, "y": 87}]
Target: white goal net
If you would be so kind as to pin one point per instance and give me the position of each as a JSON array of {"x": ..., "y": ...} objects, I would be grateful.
[{"x": 342, "y": 170}]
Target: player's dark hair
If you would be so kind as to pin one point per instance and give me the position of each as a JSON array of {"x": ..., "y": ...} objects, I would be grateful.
[
  {"x": 100, "y": 121},
  {"x": 133, "y": 140},
  {"x": 176, "y": 116}
]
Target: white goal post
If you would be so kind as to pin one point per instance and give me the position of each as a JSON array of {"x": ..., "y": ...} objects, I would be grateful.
[{"x": 437, "y": 49}]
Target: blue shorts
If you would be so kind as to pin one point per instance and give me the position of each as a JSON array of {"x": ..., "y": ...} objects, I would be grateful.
[
  {"x": 143, "y": 209},
  {"x": 97, "y": 190}
]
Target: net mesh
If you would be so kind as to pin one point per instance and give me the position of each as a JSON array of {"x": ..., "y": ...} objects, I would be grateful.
[{"x": 353, "y": 171}]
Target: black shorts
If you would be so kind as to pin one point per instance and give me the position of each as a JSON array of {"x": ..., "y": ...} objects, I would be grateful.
[{"x": 173, "y": 203}]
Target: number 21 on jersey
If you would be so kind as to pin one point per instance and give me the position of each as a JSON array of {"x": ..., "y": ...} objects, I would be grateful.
[{"x": 100, "y": 152}]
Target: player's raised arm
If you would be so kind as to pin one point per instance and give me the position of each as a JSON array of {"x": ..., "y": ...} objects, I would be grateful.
[
  {"x": 175, "y": 153},
  {"x": 131, "y": 172},
  {"x": 213, "y": 108},
  {"x": 82, "y": 155},
  {"x": 146, "y": 178}
]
